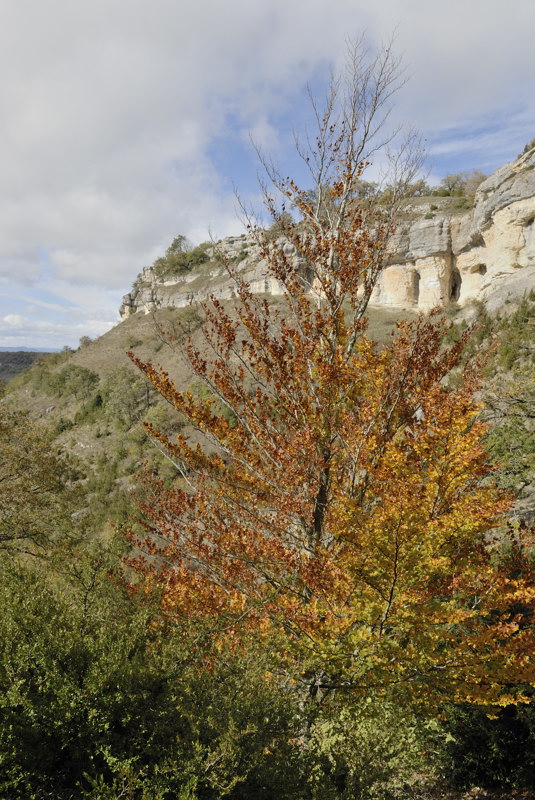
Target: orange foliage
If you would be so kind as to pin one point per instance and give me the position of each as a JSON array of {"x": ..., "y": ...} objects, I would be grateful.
[{"x": 346, "y": 502}]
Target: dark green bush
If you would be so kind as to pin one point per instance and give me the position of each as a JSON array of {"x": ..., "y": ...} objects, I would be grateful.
[
  {"x": 72, "y": 380},
  {"x": 99, "y": 699},
  {"x": 497, "y": 752}
]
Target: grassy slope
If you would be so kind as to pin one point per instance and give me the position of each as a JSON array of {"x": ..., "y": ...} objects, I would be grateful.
[{"x": 110, "y": 442}]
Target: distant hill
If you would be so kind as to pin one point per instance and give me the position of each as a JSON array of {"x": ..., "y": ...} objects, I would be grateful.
[
  {"x": 27, "y": 350},
  {"x": 12, "y": 362}
]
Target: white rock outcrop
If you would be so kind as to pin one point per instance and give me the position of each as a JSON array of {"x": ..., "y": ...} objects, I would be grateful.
[{"x": 437, "y": 255}]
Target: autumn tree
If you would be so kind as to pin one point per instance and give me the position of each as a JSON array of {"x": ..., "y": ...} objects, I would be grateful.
[{"x": 346, "y": 501}]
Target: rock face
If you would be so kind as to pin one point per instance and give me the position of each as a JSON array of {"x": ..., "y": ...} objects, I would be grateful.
[{"x": 438, "y": 254}]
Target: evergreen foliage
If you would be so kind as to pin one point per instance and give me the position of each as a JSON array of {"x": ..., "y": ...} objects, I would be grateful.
[
  {"x": 492, "y": 752},
  {"x": 180, "y": 258}
]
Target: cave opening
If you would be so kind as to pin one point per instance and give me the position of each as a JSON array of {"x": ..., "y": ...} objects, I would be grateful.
[
  {"x": 455, "y": 285},
  {"x": 416, "y": 287}
]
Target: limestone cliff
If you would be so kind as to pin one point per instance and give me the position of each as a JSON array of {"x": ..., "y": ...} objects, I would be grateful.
[{"x": 438, "y": 254}]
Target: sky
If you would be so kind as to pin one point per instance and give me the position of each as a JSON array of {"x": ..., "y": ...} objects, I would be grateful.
[{"x": 127, "y": 122}]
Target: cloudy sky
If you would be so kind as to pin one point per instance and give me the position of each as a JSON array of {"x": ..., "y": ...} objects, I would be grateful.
[{"x": 127, "y": 122}]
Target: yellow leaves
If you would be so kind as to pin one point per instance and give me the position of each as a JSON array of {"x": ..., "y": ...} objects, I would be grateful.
[{"x": 510, "y": 699}]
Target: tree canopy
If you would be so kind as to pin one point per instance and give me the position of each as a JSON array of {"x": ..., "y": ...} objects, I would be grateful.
[{"x": 347, "y": 501}]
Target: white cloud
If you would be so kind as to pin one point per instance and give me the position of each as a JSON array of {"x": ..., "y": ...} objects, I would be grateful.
[
  {"x": 13, "y": 321},
  {"x": 111, "y": 110}
]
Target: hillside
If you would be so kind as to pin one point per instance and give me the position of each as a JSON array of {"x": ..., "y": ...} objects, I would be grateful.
[
  {"x": 114, "y": 680},
  {"x": 465, "y": 253},
  {"x": 94, "y": 398},
  {"x": 474, "y": 255}
]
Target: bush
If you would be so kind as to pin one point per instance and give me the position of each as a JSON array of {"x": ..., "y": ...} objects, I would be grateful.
[
  {"x": 372, "y": 750},
  {"x": 125, "y": 397},
  {"x": 99, "y": 698},
  {"x": 529, "y": 146},
  {"x": 72, "y": 380},
  {"x": 36, "y": 494},
  {"x": 497, "y": 752},
  {"x": 178, "y": 259}
]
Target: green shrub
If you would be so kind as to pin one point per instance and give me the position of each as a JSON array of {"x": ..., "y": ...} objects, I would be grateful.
[
  {"x": 529, "y": 146},
  {"x": 492, "y": 752},
  {"x": 132, "y": 341},
  {"x": 372, "y": 749},
  {"x": 178, "y": 259},
  {"x": 125, "y": 396},
  {"x": 99, "y": 698},
  {"x": 72, "y": 380}
]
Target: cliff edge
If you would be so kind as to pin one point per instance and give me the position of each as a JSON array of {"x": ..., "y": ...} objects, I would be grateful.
[{"x": 438, "y": 254}]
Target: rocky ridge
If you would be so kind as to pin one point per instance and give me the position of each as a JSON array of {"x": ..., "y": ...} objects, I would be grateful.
[{"x": 439, "y": 254}]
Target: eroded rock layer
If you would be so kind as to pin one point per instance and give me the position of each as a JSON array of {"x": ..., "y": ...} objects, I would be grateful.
[{"x": 439, "y": 254}]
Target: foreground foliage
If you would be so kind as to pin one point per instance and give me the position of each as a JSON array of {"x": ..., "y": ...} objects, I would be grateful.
[{"x": 99, "y": 698}]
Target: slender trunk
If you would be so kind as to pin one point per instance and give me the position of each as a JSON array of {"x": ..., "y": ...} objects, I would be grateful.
[{"x": 315, "y": 534}]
